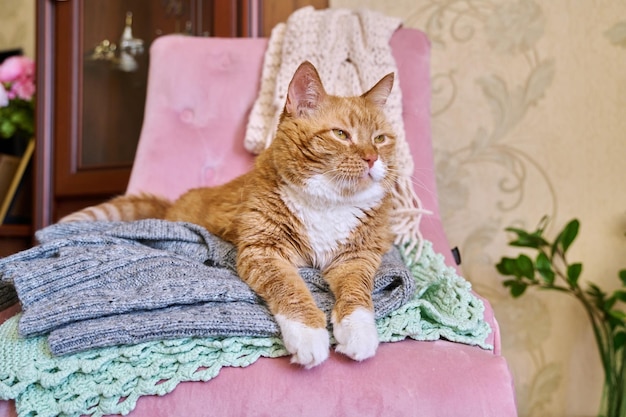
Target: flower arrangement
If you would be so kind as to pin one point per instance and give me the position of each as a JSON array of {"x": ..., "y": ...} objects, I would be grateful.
[
  {"x": 551, "y": 270},
  {"x": 17, "y": 91}
]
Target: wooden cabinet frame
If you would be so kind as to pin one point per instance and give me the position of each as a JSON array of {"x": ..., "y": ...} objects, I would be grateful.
[{"x": 58, "y": 176}]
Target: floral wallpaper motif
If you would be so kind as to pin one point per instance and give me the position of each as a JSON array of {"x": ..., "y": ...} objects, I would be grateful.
[
  {"x": 617, "y": 34},
  {"x": 528, "y": 119},
  {"x": 17, "y": 25}
]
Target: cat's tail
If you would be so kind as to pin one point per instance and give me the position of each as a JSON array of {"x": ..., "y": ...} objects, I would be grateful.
[{"x": 123, "y": 208}]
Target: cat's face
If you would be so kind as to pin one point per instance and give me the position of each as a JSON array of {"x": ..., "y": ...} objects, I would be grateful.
[
  {"x": 341, "y": 145},
  {"x": 351, "y": 145}
]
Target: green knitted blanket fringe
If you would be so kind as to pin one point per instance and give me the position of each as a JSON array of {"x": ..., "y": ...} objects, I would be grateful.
[{"x": 110, "y": 380}]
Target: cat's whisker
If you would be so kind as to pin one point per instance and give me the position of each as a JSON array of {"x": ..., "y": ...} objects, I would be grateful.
[
  {"x": 339, "y": 176},
  {"x": 420, "y": 184},
  {"x": 415, "y": 181}
]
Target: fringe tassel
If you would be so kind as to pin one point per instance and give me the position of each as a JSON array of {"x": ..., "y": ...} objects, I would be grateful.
[{"x": 406, "y": 217}]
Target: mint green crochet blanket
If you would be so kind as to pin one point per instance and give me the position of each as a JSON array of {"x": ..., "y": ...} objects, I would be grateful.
[{"x": 110, "y": 380}]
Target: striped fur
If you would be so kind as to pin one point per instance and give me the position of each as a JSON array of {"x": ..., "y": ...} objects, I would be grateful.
[
  {"x": 123, "y": 208},
  {"x": 319, "y": 195}
]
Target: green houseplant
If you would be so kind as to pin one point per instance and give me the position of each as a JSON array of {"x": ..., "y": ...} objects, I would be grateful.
[{"x": 550, "y": 269}]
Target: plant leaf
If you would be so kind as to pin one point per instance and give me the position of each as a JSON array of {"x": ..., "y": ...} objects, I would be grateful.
[
  {"x": 614, "y": 322},
  {"x": 543, "y": 223},
  {"x": 569, "y": 233},
  {"x": 517, "y": 231},
  {"x": 595, "y": 291},
  {"x": 573, "y": 273},
  {"x": 622, "y": 276},
  {"x": 607, "y": 305},
  {"x": 526, "y": 267},
  {"x": 527, "y": 240},
  {"x": 509, "y": 282},
  {"x": 518, "y": 288},
  {"x": 620, "y": 295},
  {"x": 544, "y": 267},
  {"x": 598, "y": 297},
  {"x": 508, "y": 266},
  {"x": 618, "y": 314},
  {"x": 619, "y": 340}
]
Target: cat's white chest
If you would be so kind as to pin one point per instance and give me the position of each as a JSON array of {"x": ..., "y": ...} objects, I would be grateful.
[{"x": 329, "y": 218}]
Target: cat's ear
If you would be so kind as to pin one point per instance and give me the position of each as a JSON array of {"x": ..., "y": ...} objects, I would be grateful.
[
  {"x": 305, "y": 91},
  {"x": 380, "y": 92}
]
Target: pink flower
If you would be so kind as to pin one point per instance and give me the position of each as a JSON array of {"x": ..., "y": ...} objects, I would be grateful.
[
  {"x": 23, "y": 88},
  {"x": 16, "y": 67}
]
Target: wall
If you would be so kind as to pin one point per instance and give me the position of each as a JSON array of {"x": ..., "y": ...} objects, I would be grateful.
[
  {"x": 17, "y": 25},
  {"x": 529, "y": 118}
]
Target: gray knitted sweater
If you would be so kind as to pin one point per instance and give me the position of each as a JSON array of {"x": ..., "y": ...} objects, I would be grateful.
[{"x": 95, "y": 284}]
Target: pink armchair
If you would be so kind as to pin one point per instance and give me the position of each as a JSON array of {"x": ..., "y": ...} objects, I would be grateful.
[{"x": 200, "y": 93}]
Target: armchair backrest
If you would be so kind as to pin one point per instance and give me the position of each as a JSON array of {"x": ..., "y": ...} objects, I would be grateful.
[{"x": 200, "y": 93}]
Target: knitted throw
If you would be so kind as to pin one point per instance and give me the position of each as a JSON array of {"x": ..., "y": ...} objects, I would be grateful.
[
  {"x": 94, "y": 284},
  {"x": 110, "y": 380},
  {"x": 351, "y": 52}
]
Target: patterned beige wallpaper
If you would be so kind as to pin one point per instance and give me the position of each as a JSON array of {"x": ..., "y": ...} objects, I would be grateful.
[
  {"x": 529, "y": 118},
  {"x": 17, "y": 25}
]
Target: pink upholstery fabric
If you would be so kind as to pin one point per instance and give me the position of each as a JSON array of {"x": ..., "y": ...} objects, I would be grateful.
[
  {"x": 435, "y": 379},
  {"x": 196, "y": 113},
  {"x": 199, "y": 95}
]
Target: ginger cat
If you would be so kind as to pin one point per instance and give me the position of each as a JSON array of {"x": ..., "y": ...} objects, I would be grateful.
[{"x": 318, "y": 196}]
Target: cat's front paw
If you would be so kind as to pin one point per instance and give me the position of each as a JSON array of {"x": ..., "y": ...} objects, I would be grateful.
[
  {"x": 307, "y": 345},
  {"x": 356, "y": 334}
]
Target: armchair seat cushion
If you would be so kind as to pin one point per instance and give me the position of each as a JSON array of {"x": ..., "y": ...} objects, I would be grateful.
[{"x": 407, "y": 378}]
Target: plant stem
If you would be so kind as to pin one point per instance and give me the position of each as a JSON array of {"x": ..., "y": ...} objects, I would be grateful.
[
  {"x": 620, "y": 386},
  {"x": 613, "y": 388}
]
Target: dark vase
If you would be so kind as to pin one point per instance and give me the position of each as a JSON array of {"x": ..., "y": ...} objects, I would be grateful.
[{"x": 15, "y": 145}]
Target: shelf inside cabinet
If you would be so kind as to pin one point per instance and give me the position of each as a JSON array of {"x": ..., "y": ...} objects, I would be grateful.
[
  {"x": 15, "y": 230},
  {"x": 15, "y": 238}
]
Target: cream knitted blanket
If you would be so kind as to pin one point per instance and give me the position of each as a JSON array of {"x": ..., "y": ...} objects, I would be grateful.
[{"x": 351, "y": 52}]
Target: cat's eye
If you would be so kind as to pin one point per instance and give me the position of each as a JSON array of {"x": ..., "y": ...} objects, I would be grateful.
[
  {"x": 341, "y": 134},
  {"x": 379, "y": 139}
]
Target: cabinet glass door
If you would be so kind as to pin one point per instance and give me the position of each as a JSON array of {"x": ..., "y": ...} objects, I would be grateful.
[{"x": 116, "y": 37}]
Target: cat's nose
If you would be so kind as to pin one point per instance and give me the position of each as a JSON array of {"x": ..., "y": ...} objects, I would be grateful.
[{"x": 370, "y": 159}]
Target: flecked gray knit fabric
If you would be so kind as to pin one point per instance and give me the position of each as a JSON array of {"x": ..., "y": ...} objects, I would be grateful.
[{"x": 95, "y": 284}]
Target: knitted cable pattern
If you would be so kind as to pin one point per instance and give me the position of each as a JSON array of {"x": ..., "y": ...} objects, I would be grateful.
[
  {"x": 110, "y": 380},
  {"x": 351, "y": 52}
]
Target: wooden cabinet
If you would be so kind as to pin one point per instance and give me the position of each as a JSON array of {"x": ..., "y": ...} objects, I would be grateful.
[
  {"x": 91, "y": 89},
  {"x": 14, "y": 238}
]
